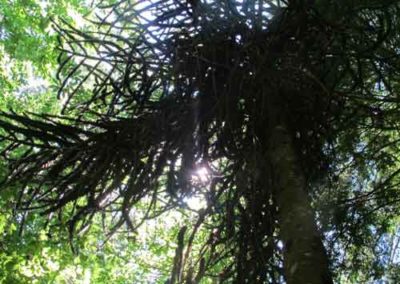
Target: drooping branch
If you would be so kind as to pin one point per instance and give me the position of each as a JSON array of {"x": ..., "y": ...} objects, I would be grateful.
[{"x": 161, "y": 87}]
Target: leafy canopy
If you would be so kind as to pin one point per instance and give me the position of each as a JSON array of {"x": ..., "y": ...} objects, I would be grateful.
[{"x": 159, "y": 90}]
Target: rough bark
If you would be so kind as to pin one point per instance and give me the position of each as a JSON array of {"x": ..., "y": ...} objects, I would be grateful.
[{"x": 305, "y": 259}]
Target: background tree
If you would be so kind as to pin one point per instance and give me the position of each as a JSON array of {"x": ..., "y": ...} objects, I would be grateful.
[{"x": 281, "y": 104}]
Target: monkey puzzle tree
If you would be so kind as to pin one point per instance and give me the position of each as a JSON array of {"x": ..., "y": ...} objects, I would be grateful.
[{"x": 281, "y": 104}]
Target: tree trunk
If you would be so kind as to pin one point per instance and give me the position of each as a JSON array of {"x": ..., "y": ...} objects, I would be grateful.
[{"x": 305, "y": 259}]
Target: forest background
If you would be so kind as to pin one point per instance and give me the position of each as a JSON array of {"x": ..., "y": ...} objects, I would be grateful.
[{"x": 34, "y": 249}]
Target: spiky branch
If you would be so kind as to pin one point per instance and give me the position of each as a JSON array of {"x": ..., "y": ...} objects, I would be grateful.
[{"x": 175, "y": 84}]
